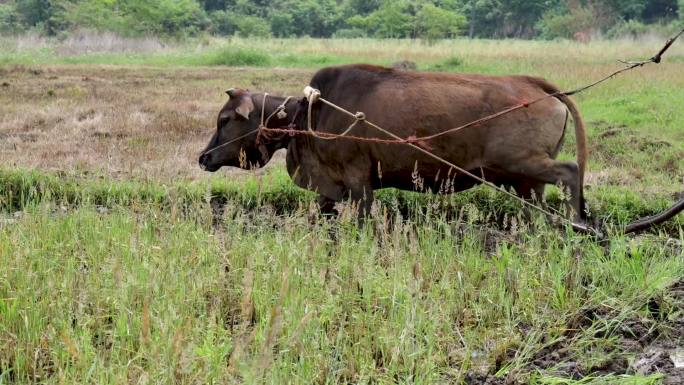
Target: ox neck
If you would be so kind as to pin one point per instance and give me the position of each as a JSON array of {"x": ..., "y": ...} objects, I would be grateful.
[
  {"x": 272, "y": 104},
  {"x": 278, "y": 141}
]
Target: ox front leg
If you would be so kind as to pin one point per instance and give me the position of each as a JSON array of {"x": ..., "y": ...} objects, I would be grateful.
[
  {"x": 530, "y": 191},
  {"x": 327, "y": 206},
  {"x": 362, "y": 198},
  {"x": 550, "y": 171}
]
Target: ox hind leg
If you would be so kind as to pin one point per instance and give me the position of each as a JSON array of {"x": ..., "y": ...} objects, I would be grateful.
[
  {"x": 326, "y": 206},
  {"x": 362, "y": 198},
  {"x": 550, "y": 171},
  {"x": 531, "y": 191}
]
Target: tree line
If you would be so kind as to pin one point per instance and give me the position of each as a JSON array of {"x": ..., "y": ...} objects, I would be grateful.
[{"x": 424, "y": 19}]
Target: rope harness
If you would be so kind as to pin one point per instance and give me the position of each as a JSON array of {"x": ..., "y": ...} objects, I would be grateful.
[{"x": 312, "y": 95}]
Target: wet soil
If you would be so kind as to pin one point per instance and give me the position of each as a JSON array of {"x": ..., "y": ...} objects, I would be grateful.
[{"x": 650, "y": 344}]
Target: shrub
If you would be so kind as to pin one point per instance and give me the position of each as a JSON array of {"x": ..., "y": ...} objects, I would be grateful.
[
  {"x": 350, "y": 33},
  {"x": 282, "y": 24},
  {"x": 631, "y": 28},
  {"x": 434, "y": 23},
  {"x": 222, "y": 23},
  {"x": 392, "y": 20},
  {"x": 9, "y": 19},
  {"x": 635, "y": 29},
  {"x": 557, "y": 24},
  {"x": 232, "y": 56},
  {"x": 592, "y": 18},
  {"x": 34, "y": 12},
  {"x": 131, "y": 17},
  {"x": 227, "y": 23},
  {"x": 251, "y": 26}
]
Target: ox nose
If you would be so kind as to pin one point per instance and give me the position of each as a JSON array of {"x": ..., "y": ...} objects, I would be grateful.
[{"x": 203, "y": 160}]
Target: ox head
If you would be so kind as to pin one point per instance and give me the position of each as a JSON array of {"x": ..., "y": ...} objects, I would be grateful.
[{"x": 234, "y": 143}]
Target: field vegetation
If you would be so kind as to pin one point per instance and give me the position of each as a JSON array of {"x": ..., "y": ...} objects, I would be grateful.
[{"x": 121, "y": 262}]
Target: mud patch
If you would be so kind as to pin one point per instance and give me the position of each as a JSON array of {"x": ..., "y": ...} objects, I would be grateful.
[
  {"x": 481, "y": 379},
  {"x": 616, "y": 142},
  {"x": 600, "y": 341},
  {"x": 665, "y": 354},
  {"x": 641, "y": 344}
]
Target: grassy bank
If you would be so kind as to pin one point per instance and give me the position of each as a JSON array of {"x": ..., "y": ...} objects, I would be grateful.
[{"x": 274, "y": 190}]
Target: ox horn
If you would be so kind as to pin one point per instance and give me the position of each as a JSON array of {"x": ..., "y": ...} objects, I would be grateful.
[{"x": 231, "y": 92}]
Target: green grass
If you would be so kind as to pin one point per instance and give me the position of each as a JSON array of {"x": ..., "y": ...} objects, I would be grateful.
[
  {"x": 240, "y": 57},
  {"x": 141, "y": 292},
  {"x": 452, "y": 64},
  {"x": 234, "y": 55},
  {"x": 20, "y": 189}
]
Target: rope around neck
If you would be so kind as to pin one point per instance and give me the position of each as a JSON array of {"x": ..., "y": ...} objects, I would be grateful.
[
  {"x": 279, "y": 111},
  {"x": 263, "y": 109}
]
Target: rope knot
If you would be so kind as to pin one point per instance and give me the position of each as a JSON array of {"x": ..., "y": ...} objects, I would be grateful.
[
  {"x": 312, "y": 94},
  {"x": 262, "y": 135},
  {"x": 359, "y": 116}
]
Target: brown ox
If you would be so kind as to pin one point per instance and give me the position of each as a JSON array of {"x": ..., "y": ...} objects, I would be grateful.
[{"x": 516, "y": 150}]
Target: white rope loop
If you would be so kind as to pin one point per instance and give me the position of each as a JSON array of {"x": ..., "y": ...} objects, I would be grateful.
[
  {"x": 263, "y": 109},
  {"x": 313, "y": 95}
]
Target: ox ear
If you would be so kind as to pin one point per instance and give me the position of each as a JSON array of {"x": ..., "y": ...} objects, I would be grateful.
[
  {"x": 236, "y": 93},
  {"x": 245, "y": 108}
]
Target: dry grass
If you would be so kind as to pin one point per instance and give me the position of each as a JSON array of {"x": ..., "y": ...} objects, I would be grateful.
[
  {"x": 86, "y": 41},
  {"x": 120, "y": 122}
]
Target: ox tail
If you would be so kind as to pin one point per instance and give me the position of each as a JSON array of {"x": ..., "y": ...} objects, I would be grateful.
[
  {"x": 580, "y": 129},
  {"x": 580, "y": 135}
]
